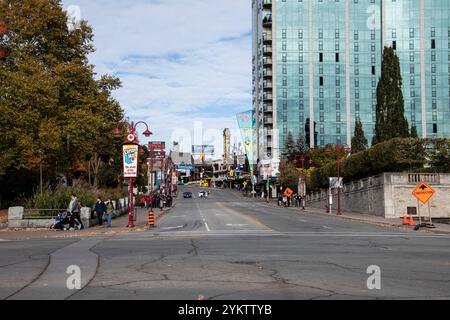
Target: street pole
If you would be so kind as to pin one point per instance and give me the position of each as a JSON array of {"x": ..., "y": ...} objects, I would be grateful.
[
  {"x": 131, "y": 209},
  {"x": 339, "y": 179}
]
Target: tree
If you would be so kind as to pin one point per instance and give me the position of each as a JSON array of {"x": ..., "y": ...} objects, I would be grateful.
[
  {"x": 289, "y": 148},
  {"x": 359, "y": 141},
  {"x": 301, "y": 147},
  {"x": 414, "y": 133},
  {"x": 53, "y": 110},
  {"x": 391, "y": 121}
]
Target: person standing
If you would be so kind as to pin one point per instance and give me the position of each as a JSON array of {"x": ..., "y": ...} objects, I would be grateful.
[
  {"x": 109, "y": 213},
  {"x": 100, "y": 210}
]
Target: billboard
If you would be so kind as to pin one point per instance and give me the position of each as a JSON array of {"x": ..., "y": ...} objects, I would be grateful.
[
  {"x": 130, "y": 161},
  {"x": 203, "y": 149},
  {"x": 157, "y": 145},
  {"x": 246, "y": 122}
]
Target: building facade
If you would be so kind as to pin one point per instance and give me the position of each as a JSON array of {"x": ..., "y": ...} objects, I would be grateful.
[{"x": 316, "y": 66}]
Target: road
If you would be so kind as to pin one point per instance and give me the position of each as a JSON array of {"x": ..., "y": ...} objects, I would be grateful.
[{"x": 231, "y": 247}]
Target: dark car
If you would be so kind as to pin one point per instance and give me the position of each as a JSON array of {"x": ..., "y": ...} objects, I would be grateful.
[{"x": 187, "y": 195}]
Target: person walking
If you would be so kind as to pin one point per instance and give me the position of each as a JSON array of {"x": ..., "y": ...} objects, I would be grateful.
[
  {"x": 74, "y": 210},
  {"x": 100, "y": 210},
  {"x": 73, "y": 205},
  {"x": 109, "y": 213}
]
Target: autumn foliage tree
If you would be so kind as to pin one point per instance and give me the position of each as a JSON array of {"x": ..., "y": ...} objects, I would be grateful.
[{"x": 53, "y": 109}]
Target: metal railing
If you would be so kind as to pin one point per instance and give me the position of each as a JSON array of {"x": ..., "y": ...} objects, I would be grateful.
[{"x": 41, "y": 213}]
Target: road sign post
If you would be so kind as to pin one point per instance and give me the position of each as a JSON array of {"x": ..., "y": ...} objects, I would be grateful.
[{"x": 424, "y": 192}]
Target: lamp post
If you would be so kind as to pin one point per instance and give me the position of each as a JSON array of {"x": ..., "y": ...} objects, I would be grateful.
[
  {"x": 339, "y": 148},
  {"x": 132, "y": 139}
]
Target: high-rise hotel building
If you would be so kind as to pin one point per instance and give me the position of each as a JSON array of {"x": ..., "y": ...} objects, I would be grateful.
[{"x": 316, "y": 66}]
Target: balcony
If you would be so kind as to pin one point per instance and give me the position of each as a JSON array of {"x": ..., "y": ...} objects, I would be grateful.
[
  {"x": 268, "y": 96},
  {"x": 268, "y": 144},
  {"x": 267, "y": 61},
  {"x": 268, "y": 108},
  {"x": 267, "y": 4},
  {"x": 267, "y": 37},
  {"x": 267, "y": 73},
  {"x": 269, "y": 133},
  {"x": 267, "y": 50},
  {"x": 268, "y": 85},
  {"x": 267, "y": 21},
  {"x": 268, "y": 120}
]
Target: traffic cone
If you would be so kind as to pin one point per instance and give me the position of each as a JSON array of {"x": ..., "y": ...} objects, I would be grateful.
[
  {"x": 405, "y": 219},
  {"x": 151, "y": 218},
  {"x": 411, "y": 221}
]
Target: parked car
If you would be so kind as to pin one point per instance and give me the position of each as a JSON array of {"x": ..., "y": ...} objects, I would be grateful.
[{"x": 187, "y": 195}]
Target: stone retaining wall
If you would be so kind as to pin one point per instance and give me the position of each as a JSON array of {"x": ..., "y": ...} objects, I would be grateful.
[
  {"x": 16, "y": 217},
  {"x": 388, "y": 195}
]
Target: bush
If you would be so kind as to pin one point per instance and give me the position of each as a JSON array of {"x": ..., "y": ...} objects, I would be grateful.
[
  {"x": 396, "y": 155},
  {"x": 59, "y": 197}
]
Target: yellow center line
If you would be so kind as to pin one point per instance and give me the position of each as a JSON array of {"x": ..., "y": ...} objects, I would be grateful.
[{"x": 242, "y": 216}]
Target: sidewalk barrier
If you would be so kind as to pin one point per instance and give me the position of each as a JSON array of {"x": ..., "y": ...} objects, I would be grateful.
[
  {"x": 151, "y": 218},
  {"x": 405, "y": 219},
  {"x": 411, "y": 221}
]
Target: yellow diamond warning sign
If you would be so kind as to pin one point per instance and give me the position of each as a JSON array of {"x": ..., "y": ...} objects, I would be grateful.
[{"x": 424, "y": 192}]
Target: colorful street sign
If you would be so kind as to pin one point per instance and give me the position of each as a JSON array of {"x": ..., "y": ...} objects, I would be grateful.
[
  {"x": 130, "y": 160},
  {"x": 423, "y": 192},
  {"x": 157, "y": 145},
  {"x": 288, "y": 192}
]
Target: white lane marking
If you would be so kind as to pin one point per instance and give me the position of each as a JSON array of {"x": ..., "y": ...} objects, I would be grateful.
[
  {"x": 171, "y": 228},
  {"x": 207, "y": 228},
  {"x": 183, "y": 216}
]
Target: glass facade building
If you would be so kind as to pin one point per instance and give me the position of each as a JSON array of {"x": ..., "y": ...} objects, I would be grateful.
[{"x": 316, "y": 65}]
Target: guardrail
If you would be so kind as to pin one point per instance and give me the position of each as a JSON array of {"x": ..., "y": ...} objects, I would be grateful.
[{"x": 41, "y": 213}]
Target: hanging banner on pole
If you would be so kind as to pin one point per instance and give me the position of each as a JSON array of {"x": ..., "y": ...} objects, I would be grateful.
[
  {"x": 130, "y": 161},
  {"x": 246, "y": 121}
]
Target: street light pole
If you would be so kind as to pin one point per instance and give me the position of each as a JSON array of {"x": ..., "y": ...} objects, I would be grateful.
[
  {"x": 132, "y": 139},
  {"x": 339, "y": 178}
]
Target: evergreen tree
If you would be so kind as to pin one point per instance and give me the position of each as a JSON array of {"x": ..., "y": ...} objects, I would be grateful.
[
  {"x": 301, "y": 146},
  {"x": 391, "y": 121},
  {"x": 414, "y": 133},
  {"x": 359, "y": 141},
  {"x": 289, "y": 148}
]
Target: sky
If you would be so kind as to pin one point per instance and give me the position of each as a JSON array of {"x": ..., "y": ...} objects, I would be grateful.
[{"x": 185, "y": 65}]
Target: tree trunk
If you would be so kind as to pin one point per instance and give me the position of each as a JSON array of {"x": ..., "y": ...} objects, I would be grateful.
[{"x": 96, "y": 163}]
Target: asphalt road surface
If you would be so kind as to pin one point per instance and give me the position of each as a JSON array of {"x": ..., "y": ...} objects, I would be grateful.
[{"x": 231, "y": 247}]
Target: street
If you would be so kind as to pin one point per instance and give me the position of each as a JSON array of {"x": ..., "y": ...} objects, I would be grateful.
[{"x": 231, "y": 247}]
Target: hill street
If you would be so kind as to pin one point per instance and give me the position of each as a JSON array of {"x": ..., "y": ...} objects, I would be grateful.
[{"x": 231, "y": 247}]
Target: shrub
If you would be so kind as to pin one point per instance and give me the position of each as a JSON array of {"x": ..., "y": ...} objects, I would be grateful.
[{"x": 396, "y": 155}]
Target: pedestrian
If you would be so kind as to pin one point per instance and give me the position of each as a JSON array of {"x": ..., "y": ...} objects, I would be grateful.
[
  {"x": 109, "y": 213},
  {"x": 73, "y": 205},
  {"x": 303, "y": 202},
  {"x": 280, "y": 200},
  {"x": 100, "y": 210}
]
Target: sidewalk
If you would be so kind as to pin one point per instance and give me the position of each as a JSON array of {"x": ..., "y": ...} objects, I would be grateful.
[
  {"x": 366, "y": 218},
  {"x": 119, "y": 226}
]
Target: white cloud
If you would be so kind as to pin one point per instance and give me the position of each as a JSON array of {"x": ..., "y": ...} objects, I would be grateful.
[{"x": 179, "y": 61}]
